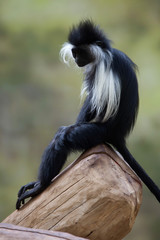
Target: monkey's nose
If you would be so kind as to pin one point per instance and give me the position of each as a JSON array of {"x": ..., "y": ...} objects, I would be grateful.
[{"x": 74, "y": 52}]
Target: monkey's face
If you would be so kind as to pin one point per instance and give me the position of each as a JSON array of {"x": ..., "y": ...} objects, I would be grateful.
[{"x": 82, "y": 55}]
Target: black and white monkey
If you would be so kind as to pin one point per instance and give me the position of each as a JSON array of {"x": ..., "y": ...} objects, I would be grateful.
[{"x": 109, "y": 110}]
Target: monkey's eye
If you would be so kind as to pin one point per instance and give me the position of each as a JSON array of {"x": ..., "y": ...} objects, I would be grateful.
[{"x": 100, "y": 44}]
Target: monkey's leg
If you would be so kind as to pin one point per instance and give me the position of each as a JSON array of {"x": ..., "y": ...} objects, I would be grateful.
[
  {"x": 25, "y": 188},
  {"x": 35, "y": 187},
  {"x": 75, "y": 137}
]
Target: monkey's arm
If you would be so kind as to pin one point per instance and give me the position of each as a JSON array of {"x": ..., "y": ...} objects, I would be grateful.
[
  {"x": 85, "y": 115},
  {"x": 75, "y": 137}
]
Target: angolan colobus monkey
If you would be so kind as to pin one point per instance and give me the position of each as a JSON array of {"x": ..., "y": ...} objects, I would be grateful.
[{"x": 109, "y": 110}]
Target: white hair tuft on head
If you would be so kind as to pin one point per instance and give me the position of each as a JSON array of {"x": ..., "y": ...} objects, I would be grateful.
[{"x": 66, "y": 53}]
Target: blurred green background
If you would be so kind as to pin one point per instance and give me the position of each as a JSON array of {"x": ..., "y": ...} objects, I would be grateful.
[{"x": 38, "y": 93}]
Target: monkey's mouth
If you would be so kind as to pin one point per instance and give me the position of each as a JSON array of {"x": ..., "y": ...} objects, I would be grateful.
[{"x": 80, "y": 64}]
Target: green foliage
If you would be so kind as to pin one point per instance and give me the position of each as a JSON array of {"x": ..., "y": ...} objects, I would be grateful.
[{"x": 38, "y": 93}]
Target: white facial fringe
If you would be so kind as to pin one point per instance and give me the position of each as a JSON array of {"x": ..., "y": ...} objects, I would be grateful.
[
  {"x": 106, "y": 89},
  {"x": 66, "y": 53}
]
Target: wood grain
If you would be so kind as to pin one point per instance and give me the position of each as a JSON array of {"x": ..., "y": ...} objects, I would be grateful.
[
  {"x": 10, "y": 231},
  {"x": 96, "y": 197}
]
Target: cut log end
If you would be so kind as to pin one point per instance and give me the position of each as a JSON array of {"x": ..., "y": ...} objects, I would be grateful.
[{"x": 96, "y": 197}]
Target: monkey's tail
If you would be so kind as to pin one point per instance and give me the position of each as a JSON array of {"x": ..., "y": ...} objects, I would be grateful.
[{"x": 139, "y": 171}]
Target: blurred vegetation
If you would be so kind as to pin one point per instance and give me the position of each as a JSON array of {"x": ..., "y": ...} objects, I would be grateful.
[{"x": 38, "y": 93}]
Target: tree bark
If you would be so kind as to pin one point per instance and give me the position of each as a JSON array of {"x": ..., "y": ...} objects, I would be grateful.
[{"x": 96, "y": 197}]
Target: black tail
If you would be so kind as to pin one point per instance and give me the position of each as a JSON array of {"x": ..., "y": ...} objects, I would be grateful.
[{"x": 139, "y": 171}]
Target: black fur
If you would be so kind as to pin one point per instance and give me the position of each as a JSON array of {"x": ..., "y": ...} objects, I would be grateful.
[
  {"x": 88, "y": 33},
  {"x": 85, "y": 134}
]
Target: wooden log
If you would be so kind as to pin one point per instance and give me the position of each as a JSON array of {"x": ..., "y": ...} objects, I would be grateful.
[
  {"x": 96, "y": 197},
  {"x": 10, "y": 231}
]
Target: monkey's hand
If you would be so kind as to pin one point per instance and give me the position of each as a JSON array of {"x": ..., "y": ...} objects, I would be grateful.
[{"x": 29, "y": 190}]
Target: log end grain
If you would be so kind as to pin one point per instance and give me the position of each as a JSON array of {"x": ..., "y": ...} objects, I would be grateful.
[{"x": 96, "y": 197}]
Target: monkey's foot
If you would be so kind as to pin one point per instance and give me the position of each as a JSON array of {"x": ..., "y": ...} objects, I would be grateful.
[{"x": 29, "y": 190}]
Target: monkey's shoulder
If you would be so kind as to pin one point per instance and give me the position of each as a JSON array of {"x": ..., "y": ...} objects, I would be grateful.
[{"x": 122, "y": 60}]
